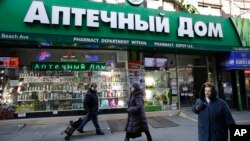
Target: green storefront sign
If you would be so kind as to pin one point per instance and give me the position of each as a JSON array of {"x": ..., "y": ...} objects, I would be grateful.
[
  {"x": 82, "y": 22},
  {"x": 78, "y": 66}
]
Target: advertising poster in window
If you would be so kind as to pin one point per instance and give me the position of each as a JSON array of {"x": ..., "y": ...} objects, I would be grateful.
[{"x": 136, "y": 73}]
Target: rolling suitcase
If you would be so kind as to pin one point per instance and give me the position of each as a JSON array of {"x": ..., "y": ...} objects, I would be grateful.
[{"x": 72, "y": 127}]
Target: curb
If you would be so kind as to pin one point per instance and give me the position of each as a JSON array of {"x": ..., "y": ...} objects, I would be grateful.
[{"x": 182, "y": 114}]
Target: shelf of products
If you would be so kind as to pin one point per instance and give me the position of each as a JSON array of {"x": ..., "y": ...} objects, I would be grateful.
[
  {"x": 59, "y": 91},
  {"x": 112, "y": 89}
]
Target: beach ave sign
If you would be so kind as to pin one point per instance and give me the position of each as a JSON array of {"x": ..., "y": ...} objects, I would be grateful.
[{"x": 120, "y": 20}]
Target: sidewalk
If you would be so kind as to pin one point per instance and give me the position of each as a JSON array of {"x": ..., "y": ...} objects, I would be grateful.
[
  {"x": 186, "y": 131},
  {"x": 241, "y": 117}
]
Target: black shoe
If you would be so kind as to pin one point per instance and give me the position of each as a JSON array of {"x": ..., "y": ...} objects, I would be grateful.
[
  {"x": 80, "y": 130},
  {"x": 126, "y": 139},
  {"x": 99, "y": 132}
]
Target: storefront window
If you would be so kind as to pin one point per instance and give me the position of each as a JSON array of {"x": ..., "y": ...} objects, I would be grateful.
[
  {"x": 175, "y": 82},
  {"x": 57, "y": 80},
  {"x": 161, "y": 83}
]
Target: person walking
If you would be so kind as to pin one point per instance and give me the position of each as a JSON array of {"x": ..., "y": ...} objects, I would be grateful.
[
  {"x": 92, "y": 108},
  {"x": 214, "y": 116},
  {"x": 136, "y": 122}
]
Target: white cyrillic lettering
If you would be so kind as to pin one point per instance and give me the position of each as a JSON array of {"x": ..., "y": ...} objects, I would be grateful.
[
  {"x": 185, "y": 27},
  {"x": 78, "y": 15},
  {"x": 129, "y": 21},
  {"x": 92, "y": 18},
  {"x": 139, "y": 24},
  {"x": 56, "y": 10},
  {"x": 112, "y": 19},
  {"x": 152, "y": 23},
  {"x": 200, "y": 28},
  {"x": 162, "y": 24},
  {"x": 215, "y": 30},
  {"x": 37, "y": 12}
]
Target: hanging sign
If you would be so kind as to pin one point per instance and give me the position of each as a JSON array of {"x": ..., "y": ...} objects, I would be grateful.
[
  {"x": 69, "y": 57},
  {"x": 236, "y": 60}
]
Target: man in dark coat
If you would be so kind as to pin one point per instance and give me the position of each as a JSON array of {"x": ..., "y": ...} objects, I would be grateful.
[
  {"x": 137, "y": 122},
  {"x": 91, "y": 107},
  {"x": 214, "y": 115}
]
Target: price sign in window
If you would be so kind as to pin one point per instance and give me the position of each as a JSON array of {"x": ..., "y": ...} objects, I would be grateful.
[
  {"x": 9, "y": 62},
  {"x": 14, "y": 62}
]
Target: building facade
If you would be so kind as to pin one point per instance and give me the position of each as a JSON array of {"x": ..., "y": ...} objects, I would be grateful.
[{"x": 52, "y": 51}]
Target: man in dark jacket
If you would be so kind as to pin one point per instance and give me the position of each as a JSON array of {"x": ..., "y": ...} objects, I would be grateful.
[
  {"x": 214, "y": 115},
  {"x": 91, "y": 107},
  {"x": 137, "y": 122}
]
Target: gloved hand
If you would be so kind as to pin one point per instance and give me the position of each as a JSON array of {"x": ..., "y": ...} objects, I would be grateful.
[{"x": 199, "y": 104}]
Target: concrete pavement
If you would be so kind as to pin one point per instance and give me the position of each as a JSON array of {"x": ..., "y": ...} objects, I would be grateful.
[{"x": 22, "y": 130}]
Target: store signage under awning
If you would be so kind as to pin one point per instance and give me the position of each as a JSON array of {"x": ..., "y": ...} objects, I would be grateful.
[
  {"x": 68, "y": 66},
  {"x": 236, "y": 60}
]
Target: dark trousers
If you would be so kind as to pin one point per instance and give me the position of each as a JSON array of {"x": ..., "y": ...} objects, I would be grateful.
[
  {"x": 94, "y": 119},
  {"x": 147, "y": 133}
]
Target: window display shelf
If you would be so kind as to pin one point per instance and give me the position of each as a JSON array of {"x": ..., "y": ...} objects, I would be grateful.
[
  {"x": 109, "y": 97},
  {"x": 45, "y": 93},
  {"x": 111, "y": 108},
  {"x": 48, "y": 77},
  {"x": 64, "y": 91},
  {"x": 28, "y": 100},
  {"x": 111, "y": 89},
  {"x": 47, "y": 82},
  {"x": 66, "y": 99},
  {"x": 46, "y": 111},
  {"x": 45, "y": 100}
]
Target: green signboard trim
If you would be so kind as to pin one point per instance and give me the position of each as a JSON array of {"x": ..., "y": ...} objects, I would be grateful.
[
  {"x": 89, "y": 42},
  {"x": 79, "y": 66},
  {"x": 243, "y": 29},
  {"x": 13, "y": 22}
]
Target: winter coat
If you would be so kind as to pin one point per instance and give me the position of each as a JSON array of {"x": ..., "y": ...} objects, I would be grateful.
[
  {"x": 91, "y": 102},
  {"x": 214, "y": 118},
  {"x": 137, "y": 121}
]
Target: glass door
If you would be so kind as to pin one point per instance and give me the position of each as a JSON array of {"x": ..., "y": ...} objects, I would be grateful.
[
  {"x": 192, "y": 72},
  {"x": 227, "y": 85}
]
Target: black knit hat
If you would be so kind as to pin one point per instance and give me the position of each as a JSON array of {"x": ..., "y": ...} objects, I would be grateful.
[
  {"x": 94, "y": 85},
  {"x": 136, "y": 86}
]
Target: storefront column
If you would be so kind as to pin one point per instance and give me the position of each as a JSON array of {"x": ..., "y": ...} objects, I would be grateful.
[{"x": 238, "y": 90}]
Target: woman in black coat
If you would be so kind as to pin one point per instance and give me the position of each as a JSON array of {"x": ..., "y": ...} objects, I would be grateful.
[
  {"x": 214, "y": 115},
  {"x": 137, "y": 122}
]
